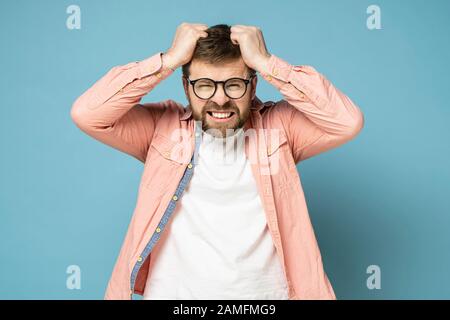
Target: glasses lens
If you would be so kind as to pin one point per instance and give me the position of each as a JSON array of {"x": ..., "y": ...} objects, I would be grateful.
[
  {"x": 235, "y": 88},
  {"x": 204, "y": 88}
]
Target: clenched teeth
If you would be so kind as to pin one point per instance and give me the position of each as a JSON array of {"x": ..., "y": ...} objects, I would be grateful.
[{"x": 221, "y": 115}]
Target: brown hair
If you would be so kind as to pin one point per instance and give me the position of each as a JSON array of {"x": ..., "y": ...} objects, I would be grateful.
[{"x": 216, "y": 47}]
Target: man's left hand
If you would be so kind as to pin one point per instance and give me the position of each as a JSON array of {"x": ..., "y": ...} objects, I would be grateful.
[{"x": 253, "y": 48}]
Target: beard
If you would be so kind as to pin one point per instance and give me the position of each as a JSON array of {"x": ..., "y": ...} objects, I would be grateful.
[{"x": 225, "y": 127}]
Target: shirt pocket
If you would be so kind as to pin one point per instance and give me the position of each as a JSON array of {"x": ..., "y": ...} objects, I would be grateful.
[
  {"x": 276, "y": 143},
  {"x": 278, "y": 155},
  {"x": 165, "y": 159}
]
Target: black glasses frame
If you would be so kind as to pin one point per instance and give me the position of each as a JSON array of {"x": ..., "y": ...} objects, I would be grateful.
[{"x": 246, "y": 81}]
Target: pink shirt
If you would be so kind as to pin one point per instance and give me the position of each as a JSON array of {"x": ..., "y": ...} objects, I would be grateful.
[
  {"x": 218, "y": 228},
  {"x": 313, "y": 117}
]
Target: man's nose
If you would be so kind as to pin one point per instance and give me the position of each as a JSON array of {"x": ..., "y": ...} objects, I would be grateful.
[{"x": 219, "y": 96}]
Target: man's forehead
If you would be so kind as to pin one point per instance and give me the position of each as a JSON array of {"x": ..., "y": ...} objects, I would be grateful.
[{"x": 218, "y": 71}]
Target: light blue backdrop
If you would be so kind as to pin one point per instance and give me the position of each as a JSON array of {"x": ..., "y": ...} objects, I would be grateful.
[{"x": 382, "y": 199}]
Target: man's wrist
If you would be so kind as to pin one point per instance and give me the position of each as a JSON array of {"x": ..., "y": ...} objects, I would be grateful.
[
  {"x": 167, "y": 62},
  {"x": 263, "y": 65}
]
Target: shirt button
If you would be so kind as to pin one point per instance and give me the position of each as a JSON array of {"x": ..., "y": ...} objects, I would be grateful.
[
  {"x": 158, "y": 75},
  {"x": 140, "y": 259},
  {"x": 158, "y": 229},
  {"x": 190, "y": 165},
  {"x": 175, "y": 198},
  {"x": 269, "y": 78},
  {"x": 197, "y": 134}
]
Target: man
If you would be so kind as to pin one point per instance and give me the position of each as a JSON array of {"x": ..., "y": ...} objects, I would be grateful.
[{"x": 207, "y": 225}]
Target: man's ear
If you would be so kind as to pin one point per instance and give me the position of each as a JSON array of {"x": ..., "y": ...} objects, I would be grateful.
[{"x": 185, "y": 86}]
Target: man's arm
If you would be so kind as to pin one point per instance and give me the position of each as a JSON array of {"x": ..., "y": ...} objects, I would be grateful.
[
  {"x": 110, "y": 112},
  {"x": 317, "y": 116}
]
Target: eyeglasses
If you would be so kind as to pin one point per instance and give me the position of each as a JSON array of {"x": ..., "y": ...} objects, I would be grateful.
[{"x": 205, "y": 88}]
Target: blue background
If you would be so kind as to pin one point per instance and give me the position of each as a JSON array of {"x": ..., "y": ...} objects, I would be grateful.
[{"x": 381, "y": 199}]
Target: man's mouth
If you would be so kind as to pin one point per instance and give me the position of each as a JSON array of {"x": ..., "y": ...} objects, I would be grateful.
[{"x": 221, "y": 116}]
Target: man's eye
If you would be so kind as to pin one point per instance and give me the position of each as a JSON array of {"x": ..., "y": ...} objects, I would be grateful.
[{"x": 234, "y": 87}]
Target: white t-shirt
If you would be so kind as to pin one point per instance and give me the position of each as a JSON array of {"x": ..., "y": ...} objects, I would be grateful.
[{"x": 217, "y": 244}]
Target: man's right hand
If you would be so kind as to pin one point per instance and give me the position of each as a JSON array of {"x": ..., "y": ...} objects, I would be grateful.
[{"x": 184, "y": 44}]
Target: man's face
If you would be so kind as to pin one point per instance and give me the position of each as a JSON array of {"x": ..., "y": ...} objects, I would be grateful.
[{"x": 202, "y": 110}]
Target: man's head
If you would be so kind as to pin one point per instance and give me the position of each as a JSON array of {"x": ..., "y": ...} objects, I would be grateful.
[{"x": 217, "y": 58}]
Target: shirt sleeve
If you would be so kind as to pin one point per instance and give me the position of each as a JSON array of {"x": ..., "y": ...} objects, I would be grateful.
[
  {"x": 317, "y": 116},
  {"x": 109, "y": 110}
]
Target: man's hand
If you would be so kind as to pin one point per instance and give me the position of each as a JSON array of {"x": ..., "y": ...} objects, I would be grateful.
[
  {"x": 253, "y": 48},
  {"x": 184, "y": 44}
]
